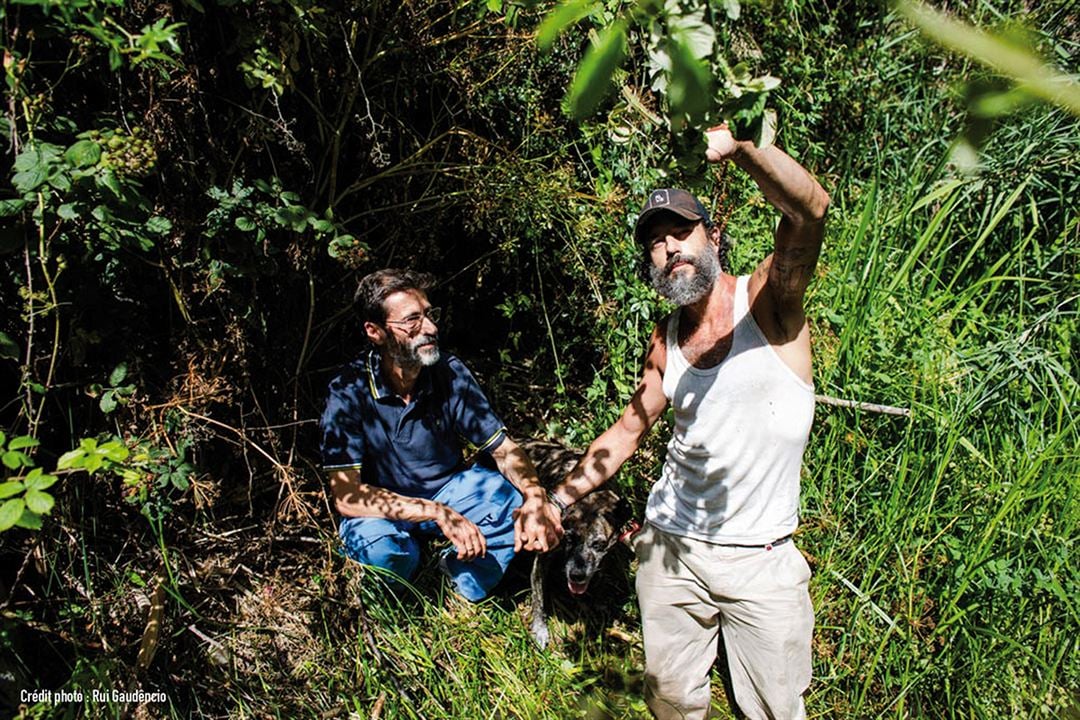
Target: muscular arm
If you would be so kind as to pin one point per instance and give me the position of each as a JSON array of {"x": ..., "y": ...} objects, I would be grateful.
[
  {"x": 354, "y": 498},
  {"x": 536, "y": 524},
  {"x": 615, "y": 445},
  {"x": 786, "y": 273}
]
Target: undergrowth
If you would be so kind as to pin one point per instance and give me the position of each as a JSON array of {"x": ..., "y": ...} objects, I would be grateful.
[{"x": 178, "y": 309}]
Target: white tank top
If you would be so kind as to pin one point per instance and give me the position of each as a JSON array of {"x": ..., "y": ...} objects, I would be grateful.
[{"x": 732, "y": 469}]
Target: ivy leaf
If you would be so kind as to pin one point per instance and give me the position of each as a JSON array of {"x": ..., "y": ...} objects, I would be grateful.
[
  {"x": 593, "y": 77},
  {"x": 557, "y": 21},
  {"x": 83, "y": 153},
  {"x": 67, "y": 212},
  {"x": 244, "y": 224},
  {"x": 732, "y": 8},
  {"x": 10, "y": 512}
]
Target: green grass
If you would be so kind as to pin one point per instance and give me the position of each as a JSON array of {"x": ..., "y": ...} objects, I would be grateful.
[{"x": 943, "y": 544}]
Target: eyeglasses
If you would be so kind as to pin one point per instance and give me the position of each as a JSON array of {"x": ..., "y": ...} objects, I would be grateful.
[{"x": 412, "y": 323}]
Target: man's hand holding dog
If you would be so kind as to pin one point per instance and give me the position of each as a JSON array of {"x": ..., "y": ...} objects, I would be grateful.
[{"x": 537, "y": 524}]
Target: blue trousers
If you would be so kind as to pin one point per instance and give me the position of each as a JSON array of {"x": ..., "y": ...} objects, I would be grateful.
[{"x": 480, "y": 494}]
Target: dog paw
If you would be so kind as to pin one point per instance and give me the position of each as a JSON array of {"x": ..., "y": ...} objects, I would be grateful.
[{"x": 540, "y": 634}]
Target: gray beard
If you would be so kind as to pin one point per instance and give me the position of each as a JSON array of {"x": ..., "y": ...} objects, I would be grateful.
[
  {"x": 679, "y": 288},
  {"x": 409, "y": 355}
]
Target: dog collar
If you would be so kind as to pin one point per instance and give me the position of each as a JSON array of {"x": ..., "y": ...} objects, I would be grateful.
[{"x": 630, "y": 529}]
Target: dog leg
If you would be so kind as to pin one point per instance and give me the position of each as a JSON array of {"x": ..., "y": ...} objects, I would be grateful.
[{"x": 538, "y": 626}]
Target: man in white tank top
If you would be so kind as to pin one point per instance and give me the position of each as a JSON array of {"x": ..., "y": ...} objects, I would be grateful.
[{"x": 715, "y": 557}]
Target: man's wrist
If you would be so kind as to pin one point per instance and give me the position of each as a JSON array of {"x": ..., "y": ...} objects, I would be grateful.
[{"x": 557, "y": 501}]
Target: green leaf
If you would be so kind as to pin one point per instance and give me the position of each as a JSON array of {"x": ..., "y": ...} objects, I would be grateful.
[
  {"x": 556, "y": 22},
  {"x": 27, "y": 159},
  {"x": 29, "y": 520},
  {"x": 114, "y": 450},
  {"x": 12, "y": 487},
  {"x": 28, "y": 180},
  {"x": 23, "y": 441},
  {"x": 766, "y": 133},
  {"x": 593, "y": 77},
  {"x": 244, "y": 224},
  {"x": 38, "y": 479},
  {"x": 12, "y": 206},
  {"x": 93, "y": 463},
  {"x": 109, "y": 181},
  {"x": 158, "y": 225},
  {"x": 118, "y": 374},
  {"x": 732, "y": 8},
  {"x": 10, "y": 512},
  {"x": 60, "y": 181},
  {"x": 83, "y": 153},
  {"x": 71, "y": 459},
  {"x": 15, "y": 459},
  {"x": 107, "y": 403},
  {"x": 180, "y": 481},
  {"x": 67, "y": 212},
  {"x": 698, "y": 36},
  {"x": 39, "y": 502},
  {"x": 689, "y": 93},
  {"x": 321, "y": 226},
  {"x": 8, "y": 349}
]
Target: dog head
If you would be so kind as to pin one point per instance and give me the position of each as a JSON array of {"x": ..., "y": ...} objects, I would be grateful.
[{"x": 591, "y": 526}]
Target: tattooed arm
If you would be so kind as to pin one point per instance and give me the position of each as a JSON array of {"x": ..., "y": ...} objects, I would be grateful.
[{"x": 780, "y": 281}]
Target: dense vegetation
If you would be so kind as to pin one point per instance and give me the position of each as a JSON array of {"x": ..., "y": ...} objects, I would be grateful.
[{"x": 194, "y": 189}]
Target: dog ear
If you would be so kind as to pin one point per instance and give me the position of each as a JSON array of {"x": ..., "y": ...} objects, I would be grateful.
[{"x": 622, "y": 513}]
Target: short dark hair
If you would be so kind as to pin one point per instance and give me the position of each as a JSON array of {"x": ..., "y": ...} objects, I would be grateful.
[
  {"x": 375, "y": 287},
  {"x": 723, "y": 251}
]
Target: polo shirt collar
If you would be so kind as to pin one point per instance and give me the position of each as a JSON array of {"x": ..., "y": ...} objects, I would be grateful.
[{"x": 378, "y": 386}]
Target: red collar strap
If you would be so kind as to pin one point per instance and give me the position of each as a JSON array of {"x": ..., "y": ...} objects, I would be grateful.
[{"x": 630, "y": 529}]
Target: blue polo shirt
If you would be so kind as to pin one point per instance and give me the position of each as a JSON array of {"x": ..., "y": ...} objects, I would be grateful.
[{"x": 409, "y": 449}]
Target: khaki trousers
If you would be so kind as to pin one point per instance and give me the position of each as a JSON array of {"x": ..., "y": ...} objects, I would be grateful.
[{"x": 689, "y": 591}]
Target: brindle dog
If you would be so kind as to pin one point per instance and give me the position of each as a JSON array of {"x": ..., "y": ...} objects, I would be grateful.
[{"x": 592, "y": 525}]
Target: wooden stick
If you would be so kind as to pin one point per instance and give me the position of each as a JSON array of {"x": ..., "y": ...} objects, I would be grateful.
[{"x": 869, "y": 407}]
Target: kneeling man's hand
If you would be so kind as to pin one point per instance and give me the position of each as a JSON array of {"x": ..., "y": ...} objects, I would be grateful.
[
  {"x": 537, "y": 525},
  {"x": 462, "y": 532}
]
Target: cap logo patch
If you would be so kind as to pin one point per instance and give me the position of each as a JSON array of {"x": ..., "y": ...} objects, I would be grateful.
[{"x": 660, "y": 197}]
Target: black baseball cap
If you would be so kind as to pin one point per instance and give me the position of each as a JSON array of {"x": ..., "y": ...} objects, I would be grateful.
[{"x": 680, "y": 202}]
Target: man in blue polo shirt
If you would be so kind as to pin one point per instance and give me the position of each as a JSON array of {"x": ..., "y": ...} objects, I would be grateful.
[{"x": 396, "y": 423}]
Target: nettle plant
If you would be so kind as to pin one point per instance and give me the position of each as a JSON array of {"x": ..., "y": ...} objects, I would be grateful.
[{"x": 685, "y": 64}]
